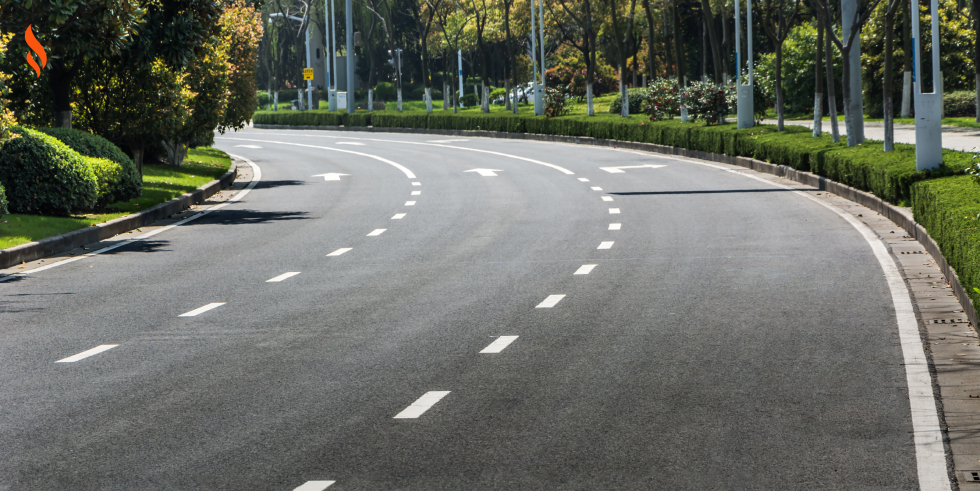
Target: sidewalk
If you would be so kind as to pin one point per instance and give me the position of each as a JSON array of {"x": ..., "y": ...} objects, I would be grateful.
[{"x": 954, "y": 137}]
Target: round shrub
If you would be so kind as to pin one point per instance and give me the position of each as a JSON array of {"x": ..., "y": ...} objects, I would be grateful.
[
  {"x": 959, "y": 103},
  {"x": 44, "y": 176},
  {"x": 418, "y": 94},
  {"x": 385, "y": 91},
  {"x": 3, "y": 201},
  {"x": 118, "y": 182},
  {"x": 469, "y": 100},
  {"x": 636, "y": 97}
]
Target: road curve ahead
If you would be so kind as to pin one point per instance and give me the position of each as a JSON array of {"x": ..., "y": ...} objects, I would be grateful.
[{"x": 420, "y": 312}]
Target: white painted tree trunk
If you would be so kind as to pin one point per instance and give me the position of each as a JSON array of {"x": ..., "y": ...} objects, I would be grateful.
[
  {"x": 428, "y": 100},
  {"x": 399, "y": 99},
  {"x": 299, "y": 95},
  {"x": 907, "y": 95},
  {"x": 517, "y": 99},
  {"x": 276, "y": 101},
  {"x": 817, "y": 114},
  {"x": 485, "y": 100},
  {"x": 269, "y": 92},
  {"x": 626, "y": 100},
  {"x": 977, "y": 76},
  {"x": 834, "y": 124},
  {"x": 588, "y": 98},
  {"x": 370, "y": 100},
  {"x": 445, "y": 96},
  {"x": 506, "y": 94}
]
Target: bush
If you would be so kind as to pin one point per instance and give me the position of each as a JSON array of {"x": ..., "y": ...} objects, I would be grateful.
[
  {"x": 44, "y": 176},
  {"x": 707, "y": 101},
  {"x": 637, "y": 97},
  {"x": 470, "y": 100},
  {"x": 3, "y": 201},
  {"x": 500, "y": 93},
  {"x": 385, "y": 91},
  {"x": 959, "y": 103},
  {"x": 418, "y": 94},
  {"x": 556, "y": 101},
  {"x": 119, "y": 180}
]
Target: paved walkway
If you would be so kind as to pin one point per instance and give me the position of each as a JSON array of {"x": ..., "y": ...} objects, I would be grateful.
[{"x": 954, "y": 137}]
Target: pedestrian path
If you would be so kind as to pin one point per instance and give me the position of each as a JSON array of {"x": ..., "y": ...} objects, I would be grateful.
[{"x": 954, "y": 137}]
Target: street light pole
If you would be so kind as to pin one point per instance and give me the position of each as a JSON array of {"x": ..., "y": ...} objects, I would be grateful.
[
  {"x": 350, "y": 57},
  {"x": 309, "y": 64}
]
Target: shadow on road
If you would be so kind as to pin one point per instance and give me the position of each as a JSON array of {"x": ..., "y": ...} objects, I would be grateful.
[
  {"x": 277, "y": 184},
  {"x": 244, "y": 217}
]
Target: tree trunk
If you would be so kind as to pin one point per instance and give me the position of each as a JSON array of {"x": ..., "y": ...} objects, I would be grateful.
[
  {"x": 590, "y": 59},
  {"x": 650, "y": 70},
  {"x": 976, "y": 53},
  {"x": 889, "y": 114},
  {"x": 678, "y": 46},
  {"x": 427, "y": 80},
  {"x": 818, "y": 82},
  {"x": 709, "y": 25},
  {"x": 60, "y": 81},
  {"x": 779, "y": 86},
  {"x": 831, "y": 96},
  {"x": 508, "y": 56}
]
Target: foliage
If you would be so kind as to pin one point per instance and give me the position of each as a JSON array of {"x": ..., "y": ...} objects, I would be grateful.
[
  {"x": 974, "y": 169},
  {"x": 3, "y": 201},
  {"x": 570, "y": 69},
  {"x": 662, "y": 101},
  {"x": 707, "y": 101},
  {"x": 385, "y": 91},
  {"x": 469, "y": 100},
  {"x": 418, "y": 93},
  {"x": 556, "y": 101},
  {"x": 959, "y": 103},
  {"x": 119, "y": 180},
  {"x": 637, "y": 97},
  {"x": 43, "y": 175},
  {"x": 799, "y": 54},
  {"x": 500, "y": 93},
  {"x": 241, "y": 31}
]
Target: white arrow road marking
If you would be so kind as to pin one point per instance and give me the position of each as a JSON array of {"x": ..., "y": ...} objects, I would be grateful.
[
  {"x": 607, "y": 198},
  {"x": 416, "y": 193},
  {"x": 201, "y": 310},
  {"x": 376, "y": 232},
  {"x": 248, "y": 146},
  {"x": 422, "y": 405},
  {"x": 585, "y": 269},
  {"x": 331, "y": 176},
  {"x": 314, "y": 486},
  {"x": 615, "y": 226},
  {"x": 409, "y": 203},
  {"x": 398, "y": 216},
  {"x": 485, "y": 172},
  {"x": 583, "y": 179},
  {"x": 614, "y": 211},
  {"x": 605, "y": 245},
  {"x": 550, "y": 302},
  {"x": 596, "y": 188},
  {"x": 339, "y": 251},
  {"x": 499, "y": 345},
  {"x": 283, "y": 276},
  {"x": 85, "y": 354},
  {"x": 350, "y": 143},
  {"x": 409, "y": 174},
  {"x": 617, "y": 170}
]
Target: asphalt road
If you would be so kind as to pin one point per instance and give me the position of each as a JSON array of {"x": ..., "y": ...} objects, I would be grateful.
[{"x": 731, "y": 335}]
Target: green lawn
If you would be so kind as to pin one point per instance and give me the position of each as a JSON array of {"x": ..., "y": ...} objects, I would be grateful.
[{"x": 160, "y": 183}]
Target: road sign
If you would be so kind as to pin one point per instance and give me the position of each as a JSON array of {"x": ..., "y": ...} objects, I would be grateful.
[{"x": 307, "y": 74}]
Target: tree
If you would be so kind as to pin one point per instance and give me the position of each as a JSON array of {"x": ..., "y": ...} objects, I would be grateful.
[
  {"x": 583, "y": 27},
  {"x": 383, "y": 10},
  {"x": 976, "y": 53},
  {"x": 621, "y": 38},
  {"x": 817, "y": 82},
  {"x": 889, "y": 112},
  {"x": 423, "y": 23},
  {"x": 777, "y": 27},
  {"x": 709, "y": 25},
  {"x": 241, "y": 31}
]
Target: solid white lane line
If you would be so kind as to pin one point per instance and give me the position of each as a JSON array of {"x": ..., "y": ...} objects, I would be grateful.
[
  {"x": 256, "y": 177},
  {"x": 615, "y": 226},
  {"x": 398, "y": 216},
  {"x": 314, "y": 486},
  {"x": 351, "y": 143},
  {"x": 605, "y": 245},
  {"x": 422, "y": 405},
  {"x": 248, "y": 146},
  {"x": 447, "y": 141},
  {"x": 416, "y": 193},
  {"x": 596, "y": 188},
  {"x": 201, "y": 310},
  {"x": 409, "y": 203},
  {"x": 396, "y": 165},
  {"x": 339, "y": 251},
  {"x": 550, "y": 302},
  {"x": 282, "y": 277},
  {"x": 499, "y": 345},
  {"x": 85, "y": 354},
  {"x": 376, "y": 232},
  {"x": 583, "y": 179},
  {"x": 607, "y": 198},
  {"x": 930, "y": 453},
  {"x": 585, "y": 269},
  {"x": 613, "y": 211},
  {"x": 416, "y": 184}
]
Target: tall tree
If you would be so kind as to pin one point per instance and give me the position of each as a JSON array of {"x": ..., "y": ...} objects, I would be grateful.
[
  {"x": 481, "y": 17},
  {"x": 889, "y": 111},
  {"x": 831, "y": 91},
  {"x": 976, "y": 53},
  {"x": 621, "y": 39},
  {"x": 581, "y": 35},
  {"x": 777, "y": 25},
  {"x": 423, "y": 22},
  {"x": 818, "y": 81},
  {"x": 650, "y": 39},
  {"x": 907, "y": 64},
  {"x": 709, "y": 25},
  {"x": 384, "y": 11}
]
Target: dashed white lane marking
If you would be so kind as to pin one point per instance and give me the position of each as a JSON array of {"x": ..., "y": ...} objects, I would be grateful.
[
  {"x": 615, "y": 226},
  {"x": 85, "y": 354},
  {"x": 314, "y": 486},
  {"x": 583, "y": 179},
  {"x": 614, "y": 211},
  {"x": 201, "y": 310},
  {"x": 585, "y": 269},
  {"x": 422, "y": 405},
  {"x": 409, "y": 203},
  {"x": 282, "y": 277},
  {"x": 248, "y": 146},
  {"x": 416, "y": 193},
  {"x": 550, "y": 302},
  {"x": 351, "y": 143},
  {"x": 605, "y": 245},
  {"x": 596, "y": 188},
  {"x": 499, "y": 345},
  {"x": 416, "y": 184},
  {"x": 376, "y": 232},
  {"x": 398, "y": 216},
  {"x": 396, "y": 165},
  {"x": 607, "y": 198},
  {"x": 339, "y": 251},
  {"x": 256, "y": 177}
]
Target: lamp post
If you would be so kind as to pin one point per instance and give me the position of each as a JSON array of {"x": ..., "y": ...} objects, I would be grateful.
[
  {"x": 744, "y": 96},
  {"x": 350, "y": 56},
  {"x": 928, "y": 106}
]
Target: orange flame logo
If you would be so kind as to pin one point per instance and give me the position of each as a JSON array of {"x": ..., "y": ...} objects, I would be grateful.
[{"x": 37, "y": 49}]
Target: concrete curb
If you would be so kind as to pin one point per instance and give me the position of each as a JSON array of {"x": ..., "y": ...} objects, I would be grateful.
[
  {"x": 903, "y": 218},
  {"x": 65, "y": 242}
]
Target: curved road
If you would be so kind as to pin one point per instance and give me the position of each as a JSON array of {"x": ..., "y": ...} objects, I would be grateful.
[{"x": 668, "y": 325}]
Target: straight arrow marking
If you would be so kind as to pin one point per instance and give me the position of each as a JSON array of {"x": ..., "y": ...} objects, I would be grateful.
[
  {"x": 617, "y": 170},
  {"x": 485, "y": 172},
  {"x": 330, "y": 176}
]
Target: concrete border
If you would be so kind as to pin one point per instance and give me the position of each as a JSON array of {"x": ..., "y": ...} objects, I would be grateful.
[
  {"x": 903, "y": 218},
  {"x": 65, "y": 242}
]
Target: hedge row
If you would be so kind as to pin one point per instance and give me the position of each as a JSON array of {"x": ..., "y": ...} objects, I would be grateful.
[{"x": 943, "y": 200}]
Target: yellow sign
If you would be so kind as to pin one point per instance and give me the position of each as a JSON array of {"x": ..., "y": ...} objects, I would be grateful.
[{"x": 307, "y": 74}]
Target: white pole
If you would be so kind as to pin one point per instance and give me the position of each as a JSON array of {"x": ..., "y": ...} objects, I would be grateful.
[
  {"x": 541, "y": 29},
  {"x": 333, "y": 52},
  {"x": 350, "y": 57},
  {"x": 326, "y": 49},
  {"x": 928, "y": 106},
  {"x": 460, "y": 66},
  {"x": 309, "y": 64}
]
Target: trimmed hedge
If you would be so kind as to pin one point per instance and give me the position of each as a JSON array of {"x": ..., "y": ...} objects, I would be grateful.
[
  {"x": 44, "y": 176},
  {"x": 119, "y": 180}
]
